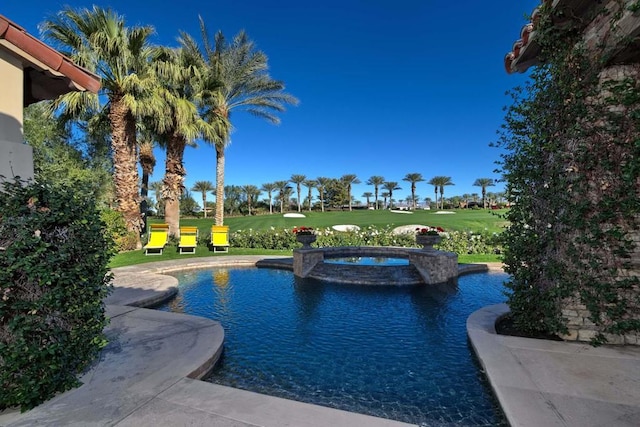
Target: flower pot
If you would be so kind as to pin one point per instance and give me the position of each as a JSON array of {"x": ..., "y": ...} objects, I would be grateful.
[
  {"x": 306, "y": 240},
  {"x": 427, "y": 241}
]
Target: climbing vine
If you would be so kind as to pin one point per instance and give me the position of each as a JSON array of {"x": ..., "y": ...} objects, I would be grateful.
[{"x": 572, "y": 167}]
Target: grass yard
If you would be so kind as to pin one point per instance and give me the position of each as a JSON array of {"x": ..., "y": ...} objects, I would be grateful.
[{"x": 462, "y": 220}]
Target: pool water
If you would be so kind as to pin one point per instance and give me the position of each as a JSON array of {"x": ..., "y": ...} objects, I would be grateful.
[
  {"x": 367, "y": 261},
  {"x": 394, "y": 352}
]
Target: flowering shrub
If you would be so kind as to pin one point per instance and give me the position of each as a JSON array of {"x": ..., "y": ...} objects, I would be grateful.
[
  {"x": 429, "y": 231},
  {"x": 303, "y": 231},
  {"x": 461, "y": 242}
]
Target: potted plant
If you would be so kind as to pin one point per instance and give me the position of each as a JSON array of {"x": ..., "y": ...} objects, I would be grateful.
[
  {"x": 305, "y": 235},
  {"x": 428, "y": 236}
]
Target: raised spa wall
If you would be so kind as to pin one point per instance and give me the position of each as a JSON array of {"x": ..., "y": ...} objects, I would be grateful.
[{"x": 425, "y": 266}]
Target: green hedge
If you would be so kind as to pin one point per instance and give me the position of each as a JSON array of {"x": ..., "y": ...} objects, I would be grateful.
[
  {"x": 461, "y": 242},
  {"x": 53, "y": 278}
]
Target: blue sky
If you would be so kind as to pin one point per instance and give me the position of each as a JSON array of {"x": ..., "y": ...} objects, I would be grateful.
[{"x": 385, "y": 87}]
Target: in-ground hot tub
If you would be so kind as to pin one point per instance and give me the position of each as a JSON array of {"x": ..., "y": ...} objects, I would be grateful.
[{"x": 424, "y": 267}]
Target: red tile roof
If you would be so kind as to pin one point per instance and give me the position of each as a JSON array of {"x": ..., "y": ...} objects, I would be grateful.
[
  {"x": 525, "y": 50},
  {"x": 59, "y": 74}
]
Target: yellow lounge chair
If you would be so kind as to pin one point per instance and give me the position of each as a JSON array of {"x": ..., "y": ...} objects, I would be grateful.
[
  {"x": 158, "y": 238},
  {"x": 220, "y": 238},
  {"x": 188, "y": 240}
]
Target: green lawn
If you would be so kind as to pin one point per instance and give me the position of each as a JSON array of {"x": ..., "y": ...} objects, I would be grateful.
[{"x": 462, "y": 220}]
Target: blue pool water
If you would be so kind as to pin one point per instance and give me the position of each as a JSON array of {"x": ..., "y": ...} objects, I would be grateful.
[
  {"x": 393, "y": 352},
  {"x": 367, "y": 261}
]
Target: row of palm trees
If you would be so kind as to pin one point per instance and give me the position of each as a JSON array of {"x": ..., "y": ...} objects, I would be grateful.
[
  {"x": 158, "y": 95},
  {"x": 252, "y": 192}
]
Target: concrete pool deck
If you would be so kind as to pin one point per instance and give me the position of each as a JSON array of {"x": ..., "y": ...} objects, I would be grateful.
[{"x": 145, "y": 376}]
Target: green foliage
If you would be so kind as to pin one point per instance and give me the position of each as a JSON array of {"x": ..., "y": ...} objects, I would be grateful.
[
  {"x": 53, "y": 278},
  {"x": 572, "y": 172},
  {"x": 284, "y": 239},
  {"x": 116, "y": 230},
  {"x": 60, "y": 159}
]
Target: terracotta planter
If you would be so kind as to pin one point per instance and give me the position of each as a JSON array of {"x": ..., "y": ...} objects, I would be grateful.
[
  {"x": 306, "y": 240},
  {"x": 427, "y": 241}
]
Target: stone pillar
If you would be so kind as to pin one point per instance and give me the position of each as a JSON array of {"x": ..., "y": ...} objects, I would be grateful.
[
  {"x": 435, "y": 266},
  {"x": 304, "y": 260}
]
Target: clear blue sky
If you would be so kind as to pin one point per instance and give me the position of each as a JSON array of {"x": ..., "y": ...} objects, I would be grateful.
[{"x": 385, "y": 87}]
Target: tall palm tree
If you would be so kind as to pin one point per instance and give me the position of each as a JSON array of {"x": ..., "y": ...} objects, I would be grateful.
[
  {"x": 174, "y": 117},
  {"x": 384, "y": 195},
  {"x": 298, "y": 180},
  {"x": 269, "y": 188},
  {"x": 390, "y": 186},
  {"x": 413, "y": 178},
  {"x": 368, "y": 195},
  {"x": 284, "y": 190},
  {"x": 156, "y": 187},
  {"x": 484, "y": 183},
  {"x": 98, "y": 40},
  {"x": 203, "y": 187},
  {"x": 376, "y": 181},
  {"x": 439, "y": 182},
  {"x": 310, "y": 184},
  {"x": 348, "y": 180},
  {"x": 321, "y": 186},
  {"x": 252, "y": 193},
  {"x": 147, "y": 161},
  {"x": 245, "y": 84}
]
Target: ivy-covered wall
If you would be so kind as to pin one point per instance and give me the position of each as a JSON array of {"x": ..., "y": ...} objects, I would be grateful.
[{"x": 572, "y": 165}]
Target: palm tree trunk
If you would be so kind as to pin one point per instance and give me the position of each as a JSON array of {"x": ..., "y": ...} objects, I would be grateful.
[
  {"x": 125, "y": 170},
  {"x": 173, "y": 182},
  {"x": 204, "y": 203},
  {"x": 219, "y": 217}
]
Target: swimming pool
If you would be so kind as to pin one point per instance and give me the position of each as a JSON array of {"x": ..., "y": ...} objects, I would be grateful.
[{"x": 393, "y": 352}]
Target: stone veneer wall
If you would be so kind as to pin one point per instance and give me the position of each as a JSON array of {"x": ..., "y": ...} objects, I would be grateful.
[{"x": 579, "y": 324}]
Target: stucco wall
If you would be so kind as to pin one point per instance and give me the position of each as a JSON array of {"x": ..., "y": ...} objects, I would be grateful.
[{"x": 16, "y": 158}]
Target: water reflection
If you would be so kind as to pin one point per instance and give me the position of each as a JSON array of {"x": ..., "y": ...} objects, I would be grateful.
[{"x": 308, "y": 295}]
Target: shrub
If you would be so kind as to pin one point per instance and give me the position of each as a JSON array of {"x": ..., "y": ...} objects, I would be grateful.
[
  {"x": 53, "y": 278},
  {"x": 460, "y": 242},
  {"x": 116, "y": 230}
]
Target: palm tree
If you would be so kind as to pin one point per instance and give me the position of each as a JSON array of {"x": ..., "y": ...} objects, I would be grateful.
[
  {"x": 348, "y": 180},
  {"x": 390, "y": 186},
  {"x": 310, "y": 184},
  {"x": 269, "y": 188},
  {"x": 368, "y": 195},
  {"x": 203, "y": 187},
  {"x": 439, "y": 182},
  {"x": 284, "y": 190},
  {"x": 156, "y": 187},
  {"x": 98, "y": 40},
  {"x": 321, "y": 185},
  {"x": 384, "y": 194},
  {"x": 298, "y": 180},
  {"x": 147, "y": 162},
  {"x": 413, "y": 178},
  {"x": 252, "y": 193},
  {"x": 484, "y": 183},
  {"x": 376, "y": 181},
  {"x": 174, "y": 117},
  {"x": 245, "y": 84}
]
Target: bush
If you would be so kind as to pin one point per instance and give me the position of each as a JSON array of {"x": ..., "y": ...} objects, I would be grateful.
[
  {"x": 116, "y": 230},
  {"x": 460, "y": 242},
  {"x": 53, "y": 278}
]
